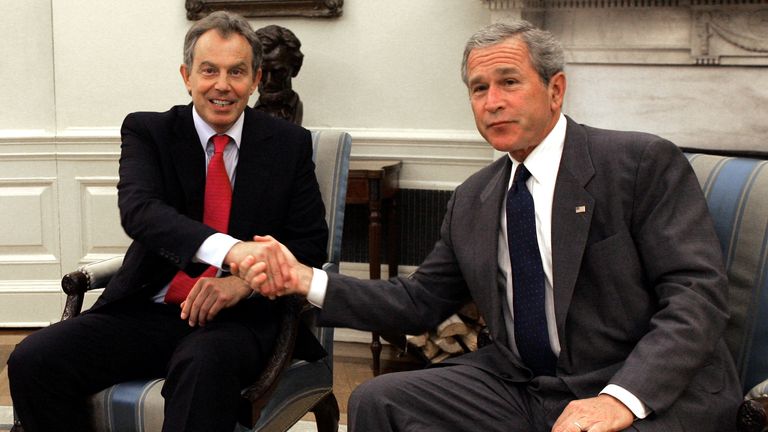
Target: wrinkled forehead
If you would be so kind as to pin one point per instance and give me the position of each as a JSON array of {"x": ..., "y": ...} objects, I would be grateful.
[{"x": 509, "y": 53}]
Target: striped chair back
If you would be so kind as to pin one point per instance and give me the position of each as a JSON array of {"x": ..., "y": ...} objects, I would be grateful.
[
  {"x": 736, "y": 189},
  {"x": 331, "y": 157}
]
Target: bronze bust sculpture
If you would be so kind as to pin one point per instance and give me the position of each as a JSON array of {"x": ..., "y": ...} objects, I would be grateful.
[{"x": 282, "y": 60}]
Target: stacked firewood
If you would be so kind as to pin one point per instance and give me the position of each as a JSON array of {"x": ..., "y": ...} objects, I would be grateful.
[{"x": 454, "y": 336}]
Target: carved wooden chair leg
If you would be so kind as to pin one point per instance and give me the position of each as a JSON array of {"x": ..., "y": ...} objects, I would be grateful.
[
  {"x": 753, "y": 415},
  {"x": 17, "y": 427},
  {"x": 16, "y": 424},
  {"x": 327, "y": 414}
]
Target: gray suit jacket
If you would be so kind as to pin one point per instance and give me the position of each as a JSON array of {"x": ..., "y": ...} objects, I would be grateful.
[{"x": 639, "y": 286}]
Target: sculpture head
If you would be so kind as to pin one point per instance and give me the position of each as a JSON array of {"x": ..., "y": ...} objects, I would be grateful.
[{"x": 281, "y": 63}]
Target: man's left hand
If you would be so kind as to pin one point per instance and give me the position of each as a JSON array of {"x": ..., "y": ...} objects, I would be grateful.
[
  {"x": 603, "y": 413},
  {"x": 209, "y": 296}
]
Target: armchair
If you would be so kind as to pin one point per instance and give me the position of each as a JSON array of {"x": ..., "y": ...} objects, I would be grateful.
[
  {"x": 287, "y": 389},
  {"x": 736, "y": 189}
]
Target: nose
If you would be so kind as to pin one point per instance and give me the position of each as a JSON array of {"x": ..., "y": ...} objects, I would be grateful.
[
  {"x": 493, "y": 99},
  {"x": 222, "y": 82}
]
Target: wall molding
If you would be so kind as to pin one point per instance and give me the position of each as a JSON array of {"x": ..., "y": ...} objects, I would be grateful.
[
  {"x": 603, "y": 4},
  {"x": 432, "y": 159},
  {"x": 670, "y": 32}
]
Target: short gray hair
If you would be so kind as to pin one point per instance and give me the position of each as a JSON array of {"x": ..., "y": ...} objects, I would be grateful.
[
  {"x": 545, "y": 51},
  {"x": 226, "y": 23}
]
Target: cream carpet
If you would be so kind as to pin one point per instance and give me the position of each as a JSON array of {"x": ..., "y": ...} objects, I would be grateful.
[
  {"x": 6, "y": 418},
  {"x": 6, "y": 421}
]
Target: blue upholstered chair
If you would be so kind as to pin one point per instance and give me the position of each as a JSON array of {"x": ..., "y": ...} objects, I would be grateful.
[
  {"x": 287, "y": 389},
  {"x": 736, "y": 189}
]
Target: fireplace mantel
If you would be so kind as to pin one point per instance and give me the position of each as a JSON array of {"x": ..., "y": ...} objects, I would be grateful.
[{"x": 667, "y": 32}]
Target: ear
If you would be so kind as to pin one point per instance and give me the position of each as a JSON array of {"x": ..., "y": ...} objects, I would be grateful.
[
  {"x": 556, "y": 90},
  {"x": 185, "y": 76},
  {"x": 256, "y": 80}
]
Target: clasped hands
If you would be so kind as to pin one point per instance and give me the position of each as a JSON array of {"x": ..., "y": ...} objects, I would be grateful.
[
  {"x": 263, "y": 265},
  {"x": 269, "y": 268}
]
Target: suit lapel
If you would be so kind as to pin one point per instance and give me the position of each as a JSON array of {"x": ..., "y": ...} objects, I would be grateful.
[
  {"x": 572, "y": 211},
  {"x": 189, "y": 160},
  {"x": 491, "y": 199},
  {"x": 253, "y": 173}
]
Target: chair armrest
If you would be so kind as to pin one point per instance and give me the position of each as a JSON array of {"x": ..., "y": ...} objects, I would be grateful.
[
  {"x": 753, "y": 412},
  {"x": 760, "y": 390},
  {"x": 331, "y": 267},
  {"x": 91, "y": 276},
  {"x": 85, "y": 278}
]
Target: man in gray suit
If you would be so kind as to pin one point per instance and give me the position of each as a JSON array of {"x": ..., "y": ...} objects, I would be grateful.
[{"x": 589, "y": 252}]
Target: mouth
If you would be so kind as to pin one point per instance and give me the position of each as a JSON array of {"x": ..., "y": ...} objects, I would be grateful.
[
  {"x": 499, "y": 123},
  {"x": 221, "y": 102}
]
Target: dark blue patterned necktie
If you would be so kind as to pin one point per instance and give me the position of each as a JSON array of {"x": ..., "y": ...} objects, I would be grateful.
[{"x": 530, "y": 320}]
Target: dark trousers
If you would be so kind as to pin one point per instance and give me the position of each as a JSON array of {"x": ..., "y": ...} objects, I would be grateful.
[
  {"x": 453, "y": 398},
  {"x": 457, "y": 398},
  {"x": 53, "y": 370}
]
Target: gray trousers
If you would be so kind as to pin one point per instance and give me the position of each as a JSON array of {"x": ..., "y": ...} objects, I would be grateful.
[{"x": 454, "y": 398}]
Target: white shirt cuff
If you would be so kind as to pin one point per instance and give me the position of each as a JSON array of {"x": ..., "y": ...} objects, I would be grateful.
[
  {"x": 318, "y": 287},
  {"x": 638, "y": 408},
  {"x": 214, "y": 249}
]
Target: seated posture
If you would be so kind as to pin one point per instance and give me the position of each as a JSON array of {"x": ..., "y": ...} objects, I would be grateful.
[
  {"x": 589, "y": 252},
  {"x": 193, "y": 180}
]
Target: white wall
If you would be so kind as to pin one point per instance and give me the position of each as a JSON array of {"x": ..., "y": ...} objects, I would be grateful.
[
  {"x": 693, "y": 106},
  {"x": 26, "y": 67},
  {"x": 381, "y": 65}
]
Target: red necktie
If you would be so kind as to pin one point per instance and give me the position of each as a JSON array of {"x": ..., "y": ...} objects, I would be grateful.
[{"x": 218, "y": 200}]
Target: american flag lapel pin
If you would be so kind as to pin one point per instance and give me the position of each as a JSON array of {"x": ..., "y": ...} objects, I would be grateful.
[{"x": 581, "y": 209}]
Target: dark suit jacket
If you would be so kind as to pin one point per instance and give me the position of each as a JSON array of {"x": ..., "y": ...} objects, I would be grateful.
[
  {"x": 639, "y": 287},
  {"x": 161, "y": 190}
]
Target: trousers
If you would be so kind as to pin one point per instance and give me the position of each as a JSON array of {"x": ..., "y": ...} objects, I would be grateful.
[{"x": 55, "y": 369}]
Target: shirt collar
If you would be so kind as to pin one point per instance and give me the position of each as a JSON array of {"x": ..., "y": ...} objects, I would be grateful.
[
  {"x": 205, "y": 131},
  {"x": 544, "y": 161}
]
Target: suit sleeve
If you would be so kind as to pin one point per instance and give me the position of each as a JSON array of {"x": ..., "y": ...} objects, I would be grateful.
[
  {"x": 148, "y": 212},
  {"x": 682, "y": 263}
]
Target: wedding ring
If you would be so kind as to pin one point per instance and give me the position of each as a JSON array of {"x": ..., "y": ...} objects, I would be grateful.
[{"x": 581, "y": 428}]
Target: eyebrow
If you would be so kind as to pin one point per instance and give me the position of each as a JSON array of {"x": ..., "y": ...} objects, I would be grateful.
[
  {"x": 501, "y": 70},
  {"x": 507, "y": 70},
  {"x": 242, "y": 64}
]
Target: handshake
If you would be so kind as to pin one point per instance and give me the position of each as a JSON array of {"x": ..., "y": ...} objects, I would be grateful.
[{"x": 269, "y": 268}]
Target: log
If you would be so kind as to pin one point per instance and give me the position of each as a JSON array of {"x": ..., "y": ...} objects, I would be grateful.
[
  {"x": 452, "y": 326},
  {"x": 448, "y": 344},
  {"x": 470, "y": 340},
  {"x": 417, "y": 340},
  {"x": 440, "y": 357},
  {"x": 430, "y": 349}
]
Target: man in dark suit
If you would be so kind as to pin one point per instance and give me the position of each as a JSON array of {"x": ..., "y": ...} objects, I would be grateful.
[
  {"x": 209, "y": 338},
  {"x": 589, "y": 252}
]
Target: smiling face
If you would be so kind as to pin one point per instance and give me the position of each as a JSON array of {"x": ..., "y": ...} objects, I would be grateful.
[
  {"x": 221, "y": 78},
  {"x": 514, "y": 110}
]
